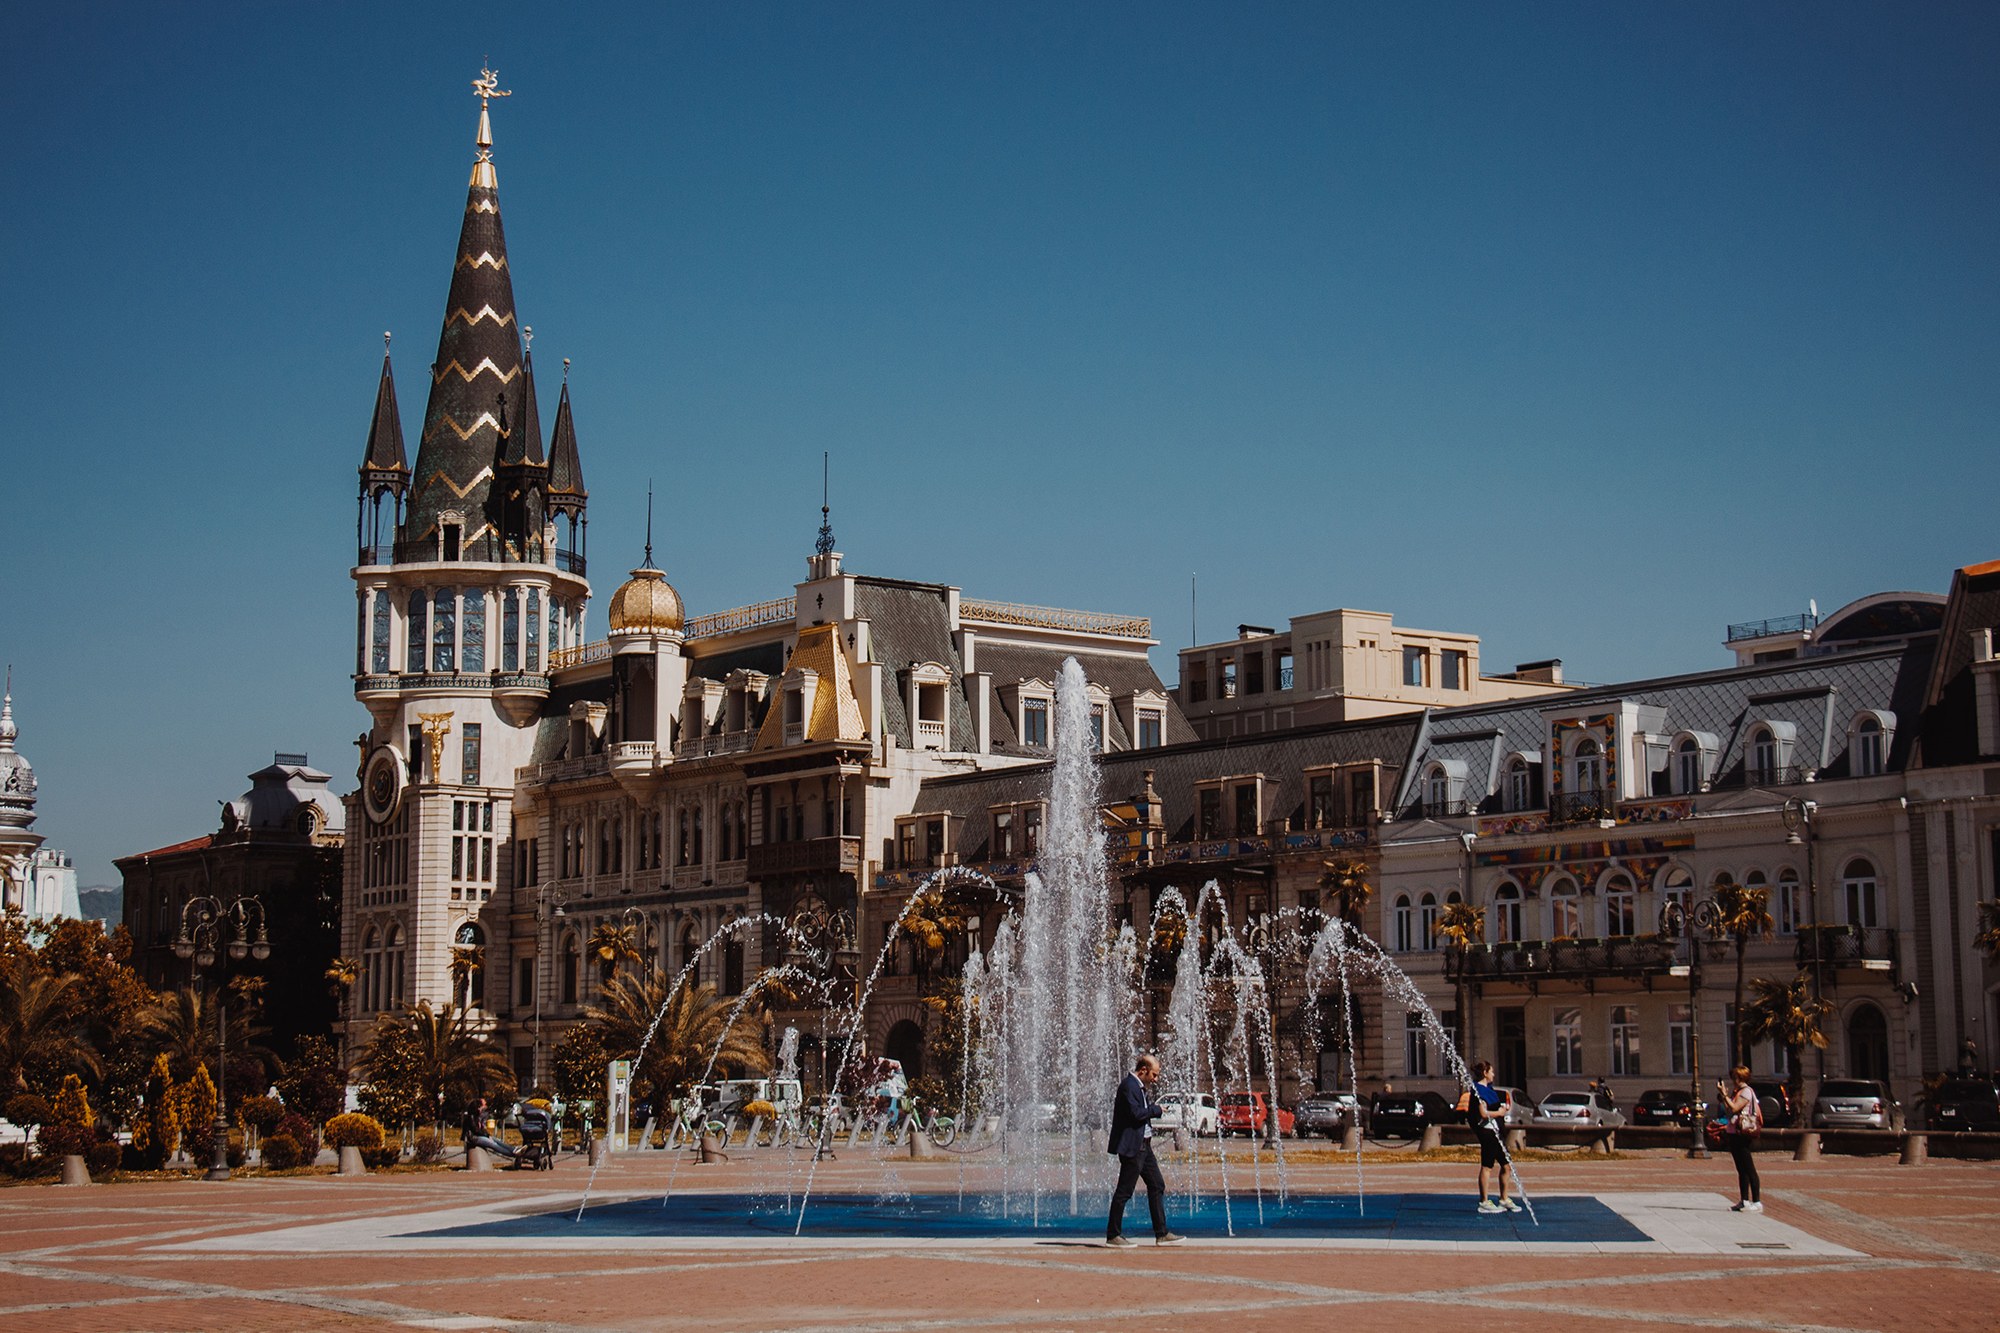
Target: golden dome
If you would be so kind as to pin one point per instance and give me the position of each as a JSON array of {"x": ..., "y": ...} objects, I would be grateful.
[{"x": 646, "y": 604}]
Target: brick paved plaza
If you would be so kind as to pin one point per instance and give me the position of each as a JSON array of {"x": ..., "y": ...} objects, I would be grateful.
[{"x": 1900, "y": 1247}]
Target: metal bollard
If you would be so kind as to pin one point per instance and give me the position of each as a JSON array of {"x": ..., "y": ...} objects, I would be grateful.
[
  {"x": 1350, "y": 1139},
  {"x": 1808, "y": 1149},
  {"x": 1916, "y": 1150}
]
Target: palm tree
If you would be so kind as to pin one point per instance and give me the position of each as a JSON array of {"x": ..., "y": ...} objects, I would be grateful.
[
  {"x": 341, "y": 974},
  {"x": 449, "y": 1063},
  {"x": 612, "y": 944},
  {"x": 694, "y": 1021},
  {"x": 1744, "y": 913},
  {"x": 1987, "y": 941},
  {"x": 1788, "y": 1013},
  {"x": 38, "y": 1031},
  {"x": 466, "y": 961},
  {"x": 1347, "y": 883},
  {"x": 1461, "y": 925},
  {"x": 182, "y": 1026}
]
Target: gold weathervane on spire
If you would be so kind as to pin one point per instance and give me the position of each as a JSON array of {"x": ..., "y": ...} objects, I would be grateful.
[{"x": 486, "y": 87}]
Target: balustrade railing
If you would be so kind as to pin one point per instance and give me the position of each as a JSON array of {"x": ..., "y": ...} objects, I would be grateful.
[
  {"x": 1052, "y": 617},
  {"x": 1628, "y": 955},
  {"x": 1846, "y": 945},
  {"x": 1582, "y": 807}
]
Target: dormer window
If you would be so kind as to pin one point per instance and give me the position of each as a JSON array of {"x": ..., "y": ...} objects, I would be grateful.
[
  {"x": 1520, "y": 783},
  {"x": 925, "y": 697},
  {"x": 1035, "y": 723},
  {"x": 1868, "y": 742},
  {"x": 1770, "y": 754},
  {"x": 1003, "y": 835},
  {"x": 1587, "y": 769},
  {"x": 1694, "y": 754},
  {"x": 1099, "y": 740}
]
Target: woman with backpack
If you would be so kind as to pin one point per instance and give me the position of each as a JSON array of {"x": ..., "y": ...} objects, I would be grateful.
[{"x": 1742, "y": 1122}]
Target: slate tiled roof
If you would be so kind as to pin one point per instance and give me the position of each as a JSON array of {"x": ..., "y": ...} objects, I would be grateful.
[
  {"x": 908, "y": 622},
  {"x": 1819, "y": 696},
  {"x": 1951, "y": 730},
  {"x": 1282, "y": 757},
  {"x": 385, "y": 429},
  {"x": 1009, "y": 663}
]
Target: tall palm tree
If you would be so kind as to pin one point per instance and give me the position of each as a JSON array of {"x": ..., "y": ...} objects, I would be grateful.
[
  {"x": 1461, "y": 925},
  {"x": 448, "y": 1062},
  {"x": 38, "y": 1030},
  {"x": 694, "y": 1021},
  {"x": 1987, "y": 941},
  {"x": 1346, "y": 882},
  {"x": 1745, "y": 914},
  {"x": 182, "y": 1026},
  {"x": 612, "y": 944},
  {"x": 1788, "y": 1013}
]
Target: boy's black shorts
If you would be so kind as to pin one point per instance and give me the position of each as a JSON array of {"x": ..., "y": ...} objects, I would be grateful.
[{"x": 1489, "y": 1148}]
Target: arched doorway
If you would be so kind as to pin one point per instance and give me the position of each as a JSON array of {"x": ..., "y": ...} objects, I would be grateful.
[
  {"x": 905, "y": 1043},
  {"x": 1867, "y": 1043}
]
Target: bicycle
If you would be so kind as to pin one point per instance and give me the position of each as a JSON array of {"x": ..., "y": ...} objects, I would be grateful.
[{"x": 941, "y": 1128}]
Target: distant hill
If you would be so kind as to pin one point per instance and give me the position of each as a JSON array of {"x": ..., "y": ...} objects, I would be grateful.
[{"x": 104, "y": 903}]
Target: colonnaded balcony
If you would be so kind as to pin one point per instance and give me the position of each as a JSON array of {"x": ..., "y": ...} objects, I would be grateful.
[
  {"x": 1633, "y": 956},
  {"x": 839, "y": 855},
  {"x": 1264, "y": 845}
]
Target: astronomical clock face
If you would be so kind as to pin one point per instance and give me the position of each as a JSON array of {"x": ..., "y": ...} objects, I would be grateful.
[{"x": 382, "y": 784}]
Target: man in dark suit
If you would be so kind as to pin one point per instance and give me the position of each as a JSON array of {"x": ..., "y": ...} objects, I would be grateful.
[{"x": 1132, "y": 1116}]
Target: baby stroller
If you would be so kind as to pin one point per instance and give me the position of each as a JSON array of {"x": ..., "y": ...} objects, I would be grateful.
[{"x": 537, "y": 1151}]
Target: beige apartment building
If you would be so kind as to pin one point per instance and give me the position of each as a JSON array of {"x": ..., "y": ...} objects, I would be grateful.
[{"x": 1340, "y": 666}]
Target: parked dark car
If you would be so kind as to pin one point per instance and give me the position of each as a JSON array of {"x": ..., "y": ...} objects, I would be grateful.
[
  {"x": 1776, "y": 1100},
  {"x": 1963, "y": 1103},
  {"x": 1404, "y": 1115},
  {"x": 1665, "y": 1106}
]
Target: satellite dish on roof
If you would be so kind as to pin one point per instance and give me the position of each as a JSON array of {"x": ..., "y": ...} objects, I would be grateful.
[{"x": 1812, "y": 608}]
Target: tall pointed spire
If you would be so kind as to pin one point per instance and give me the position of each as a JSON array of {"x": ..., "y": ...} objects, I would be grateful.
[
  {"x": 649, "y": 523},
  {"x": 825, "y": 543},
  {"x": 566, "y": 489},
  {"x": 477, "y": 382},
  {"x": 385, "y": 465}
]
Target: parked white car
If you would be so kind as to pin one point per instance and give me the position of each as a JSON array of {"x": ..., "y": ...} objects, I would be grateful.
[
  {"x": 1193, "y": 1111},
  {"x": 1579, "y": 1109}
]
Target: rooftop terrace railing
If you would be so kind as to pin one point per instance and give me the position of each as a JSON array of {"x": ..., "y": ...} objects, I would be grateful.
[{"x": 1759, "y": 629}]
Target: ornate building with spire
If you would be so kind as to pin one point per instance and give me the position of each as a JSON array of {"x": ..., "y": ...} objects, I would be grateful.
[
  {"x": 531, "y": 799},
  {"x": 34, "y": 880}
]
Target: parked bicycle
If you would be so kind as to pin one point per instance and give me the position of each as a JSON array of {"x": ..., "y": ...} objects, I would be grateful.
[{"x": 930, "y": 1119}]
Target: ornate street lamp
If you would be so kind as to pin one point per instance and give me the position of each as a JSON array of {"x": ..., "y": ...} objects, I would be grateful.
[
  {"x": 551, "y": 904},
  {"x": 209, "y": 929},
  {"x": 1802, "y": 829},
  {"x": 642, "y": 930},
  {"x": 1681, "y": 922}
]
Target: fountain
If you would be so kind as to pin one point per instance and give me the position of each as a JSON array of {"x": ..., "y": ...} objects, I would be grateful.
[{"x": 1052, "y": 1015}]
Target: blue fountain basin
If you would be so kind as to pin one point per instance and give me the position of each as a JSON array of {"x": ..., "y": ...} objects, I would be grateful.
[{"x": 1570, "y": 1219}]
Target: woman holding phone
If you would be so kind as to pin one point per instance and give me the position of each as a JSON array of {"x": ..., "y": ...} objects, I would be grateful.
[{"x": 1743, "y": 1121}]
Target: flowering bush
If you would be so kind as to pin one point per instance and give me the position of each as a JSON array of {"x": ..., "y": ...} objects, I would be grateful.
[
  {"x": 302, "y": 1134},
  {"x": 260, "y": 1113},
  {"x": 429, "y": 1147},
  {"x": 354, "y": 1130},
  {"x": 69, "y": 1128}
]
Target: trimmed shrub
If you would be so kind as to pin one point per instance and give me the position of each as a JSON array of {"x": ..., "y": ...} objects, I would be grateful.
[
  {"x": 27, "y": 1109},
  {"x": 260, "y": 1113},
  {"x": 282, "y": 1152},
  {"x": 70, "y": 1126},
  {"x": 354, "y": 1130},
  {"x": 429, "y": 1147},
  {"x": 105, "y": 1156},
  {"x": 377, "y": 1158},
  {"x": 14, "y": 1159},
  {"x": 759, "y": 1110},
  {"x": 301, "y": 1132}
]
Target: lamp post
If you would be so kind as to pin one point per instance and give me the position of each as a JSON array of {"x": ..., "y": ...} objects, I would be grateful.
[
  {"x": 642, "y": 931},
  {"x": 205, "y": 920},
  {"x": 823, "y": 937},
  {"x": 1802, "y": 829},
  {"x": 551, "y": 904},
  {"x": 1678, "y": 921}
]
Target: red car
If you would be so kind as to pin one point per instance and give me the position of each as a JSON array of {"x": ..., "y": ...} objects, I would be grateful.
[{"x": 1248, "y": 1113}]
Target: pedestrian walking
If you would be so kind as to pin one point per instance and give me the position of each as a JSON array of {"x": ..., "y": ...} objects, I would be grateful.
[
  {"x": 1488, "y": 1106},
  {"x": 1743, "y": 1121},
  {"x": 1132, "y": 1114}
]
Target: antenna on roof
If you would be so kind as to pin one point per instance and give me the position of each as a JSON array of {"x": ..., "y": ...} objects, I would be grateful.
[
  {"x": 1193, "y": 637},
  {"x": 649, "y": 522}
]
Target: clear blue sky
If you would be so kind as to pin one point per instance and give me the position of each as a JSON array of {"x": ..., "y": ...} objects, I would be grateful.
[{"x": 1586, "y": 328}]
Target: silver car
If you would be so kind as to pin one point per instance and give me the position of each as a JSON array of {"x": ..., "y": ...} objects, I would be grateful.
[
  {"x": 1855, "y": 1103},
  {"x": 1520, "y": 1107},
  {"x": 1579, "y": 1109}
]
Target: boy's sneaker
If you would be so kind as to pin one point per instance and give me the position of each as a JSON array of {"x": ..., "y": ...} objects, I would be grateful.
[
  {"x": 1510, "y": 1205},
  {"x": 1738, "y": 1206},
  {"x": 1755, "y": 1207},
  {"x": 1490, "y": 1207}
]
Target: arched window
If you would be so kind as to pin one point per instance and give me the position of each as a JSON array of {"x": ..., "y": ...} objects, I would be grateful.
[
  {"x": 1404, "y": 923},
  {"x": 572, "y": 967},
  {"x": 534, "y": 629},
  {"x": 1687, "y": 766},
  {"x": 1788, "y": 906},
  {"x": 697, "y": 836},
  {"x": 1507, "y": 912},
  {"x": 1676, "y": 886},
  {"x": 1427, "y": 921},
  {"x": 1621, "y": 905},
  {"x": 472, "y": 636},
  {"x": 684, "y": 844},
  {"x": 725, "y": 827},
  {"x": 732, "y": 964},
  {"x": 1587, "y": 769},
  {"x": 1565, "y": 913},
  {"x": 1437, "y": 788},
  {"x": 371, "y": 970},
  {"x": 690, "y": 947},
  {"x": 1868, "y": 757},
  {"x": 416, "y": 633},
  {"x": 1763, "y": 755},
  {"x": 1867, "y": 1043},
  {"x": 1520, "y": 784},
  {"x": 1858, "y": 886},
  {"x": 472, "y": 992},
  {"x": 393, "y": 948}
]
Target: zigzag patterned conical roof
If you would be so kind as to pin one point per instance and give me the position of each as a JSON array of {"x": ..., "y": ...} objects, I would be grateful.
[{"x": 477, "y": 382}]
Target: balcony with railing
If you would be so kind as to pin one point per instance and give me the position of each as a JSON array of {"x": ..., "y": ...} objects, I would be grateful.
[
  {"x": 1051, "y": 617},
  {"x": 727, "y": 742},
  {"x": 1422, "y": 808},
  {"x": 1583, "y": 807},
  {"x": 1264, "y": 845},
  {"x": 930, "y": 735},
  {"x": 565, "y": 770},
  {"x": 839, "y": 855},
  {"x": 1871, "y": 948},
  {"x": 1631, "y": 956},
  {"x": 1764, "y": 629}
]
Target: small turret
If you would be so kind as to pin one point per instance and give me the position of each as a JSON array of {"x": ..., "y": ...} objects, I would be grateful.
[
  {"x": 385, "y": 470},
  {"x": 567, "y": 495}
]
